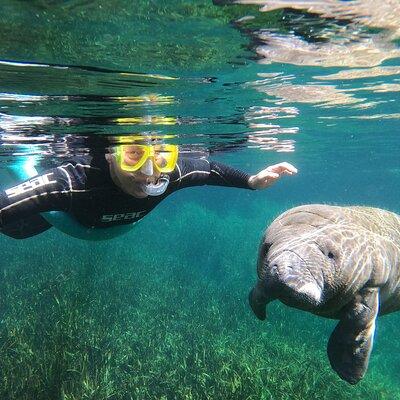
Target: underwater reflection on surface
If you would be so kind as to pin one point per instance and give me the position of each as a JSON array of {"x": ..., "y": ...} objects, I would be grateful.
[
  {"x": 218, "y": 109},
  {"x": 329, "y": 33}
]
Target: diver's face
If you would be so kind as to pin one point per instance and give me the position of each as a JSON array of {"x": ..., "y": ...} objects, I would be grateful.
[{"x": 132, "y": 182}]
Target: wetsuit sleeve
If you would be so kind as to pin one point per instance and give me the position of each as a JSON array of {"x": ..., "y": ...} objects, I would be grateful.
[
  {"x": 191, "y": 172},
  {"x": 51, "y": 191}
]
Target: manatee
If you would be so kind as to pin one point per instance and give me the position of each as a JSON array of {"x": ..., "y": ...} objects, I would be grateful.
[{"x": 336, "y": 262}]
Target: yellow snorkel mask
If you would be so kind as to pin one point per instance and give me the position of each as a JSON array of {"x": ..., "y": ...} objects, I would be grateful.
[
  {"x": 145, "y": 157},
  {"x": 132, "y": 157}
]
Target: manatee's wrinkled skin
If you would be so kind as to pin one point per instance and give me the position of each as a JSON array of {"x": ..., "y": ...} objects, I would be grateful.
[{"x": 335, "y": 262}]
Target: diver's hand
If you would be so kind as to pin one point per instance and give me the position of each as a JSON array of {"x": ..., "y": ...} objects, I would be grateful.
[{"x": 270, "y": 175}]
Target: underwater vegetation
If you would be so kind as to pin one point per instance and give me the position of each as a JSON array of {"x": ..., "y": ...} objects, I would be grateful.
[{"x": 161, "y": 317}]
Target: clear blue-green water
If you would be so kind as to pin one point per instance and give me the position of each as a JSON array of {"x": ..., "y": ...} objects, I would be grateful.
[{"x": 162, "y": 312}]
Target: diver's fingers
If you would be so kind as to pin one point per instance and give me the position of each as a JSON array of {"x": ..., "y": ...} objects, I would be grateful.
[
  {"x": 263, "y": 179},
  {"x": 283, "y": 168},
  {"x": 266, "y": 174}
]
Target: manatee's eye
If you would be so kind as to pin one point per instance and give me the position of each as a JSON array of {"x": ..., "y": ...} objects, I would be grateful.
[{"x": 331, "y": 255}]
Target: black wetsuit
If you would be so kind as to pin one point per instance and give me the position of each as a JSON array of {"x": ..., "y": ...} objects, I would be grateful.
[{"x": 84, "y": 189}]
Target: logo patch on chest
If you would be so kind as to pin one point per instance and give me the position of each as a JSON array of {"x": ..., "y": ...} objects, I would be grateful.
[{"x": 123, "y": 216}]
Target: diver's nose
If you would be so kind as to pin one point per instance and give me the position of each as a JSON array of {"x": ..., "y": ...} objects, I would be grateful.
[{"x": 147, "y": 168}]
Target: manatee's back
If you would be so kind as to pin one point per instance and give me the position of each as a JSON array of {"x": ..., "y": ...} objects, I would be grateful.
[
  {"x": 300, "y": 219},
  {"x": 381, "y": 222}
]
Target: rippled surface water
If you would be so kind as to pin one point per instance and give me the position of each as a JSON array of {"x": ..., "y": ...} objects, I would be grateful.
[{"x": 249, "y": 83}]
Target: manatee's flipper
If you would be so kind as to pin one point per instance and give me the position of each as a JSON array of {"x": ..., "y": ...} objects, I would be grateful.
[
  {"x": 258, "y": 301},
  {"x": 351, "y": 341}
]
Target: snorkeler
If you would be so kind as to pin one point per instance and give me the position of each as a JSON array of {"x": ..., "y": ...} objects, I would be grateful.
[{"x": 117, "y": 188}]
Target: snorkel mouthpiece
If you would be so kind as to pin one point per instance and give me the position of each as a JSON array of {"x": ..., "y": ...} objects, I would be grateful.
[{"x": 156, "y": 189}]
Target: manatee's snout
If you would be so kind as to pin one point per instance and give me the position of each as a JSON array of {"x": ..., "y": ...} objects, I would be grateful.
[
  {"x": 288, "y": 277},
  {"x": 272, "y": 284},
  {"x": 297, "y": 279},
  {"x": 286, "y": 269}
]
